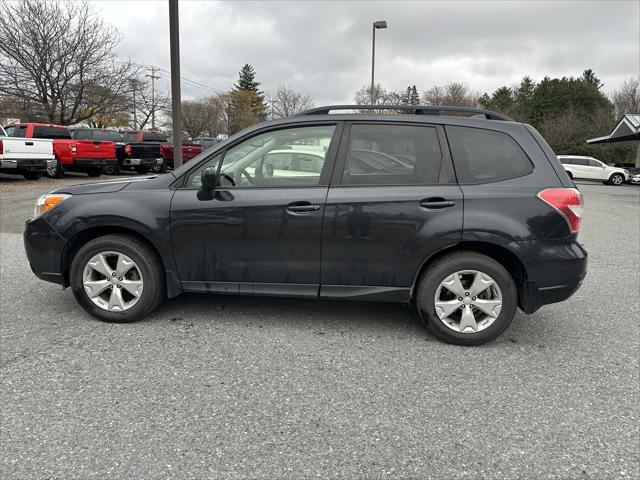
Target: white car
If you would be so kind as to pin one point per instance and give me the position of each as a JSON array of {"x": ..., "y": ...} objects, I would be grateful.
[
  {"x": 589, "y": 168},
  {"x": 28, "y": 157}
]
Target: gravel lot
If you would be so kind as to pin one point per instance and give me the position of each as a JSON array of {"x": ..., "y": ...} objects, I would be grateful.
[{"x": 240, "y": 387}]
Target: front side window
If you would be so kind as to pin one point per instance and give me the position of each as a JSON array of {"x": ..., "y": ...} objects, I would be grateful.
[
  {"x": 392, "y": 155},
  {"x": 483, "y": 156},
  {"x": 288, "y": 157}
]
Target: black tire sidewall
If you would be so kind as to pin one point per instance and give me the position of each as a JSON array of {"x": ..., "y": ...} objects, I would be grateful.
[
  {"x": 59, "y": 172},
  {"x": 431, "y": 280},
  {"x": 147, "y": 261},
  {"x": 618, "y": 175}
]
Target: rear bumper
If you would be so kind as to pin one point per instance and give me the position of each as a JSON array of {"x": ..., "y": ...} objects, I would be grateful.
[
  {"x": 553, "y": 275},
  {"x": 93, "y": 162},
  {"x": 44, "y": 249},
  {"x": 144, "y": 162},
  {"x": 23, "y": 165}
]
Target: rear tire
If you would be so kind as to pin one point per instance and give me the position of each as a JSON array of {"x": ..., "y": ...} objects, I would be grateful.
[
  {"x": 145, "y": 260},
  {"x": 55, "y": 171},
  {"x": 155, "y": 168},
  {"x": 32, "y": 175},
  {"x": 111, "y": 169},
  {"x": 502, "y": 293},
  {"x": 616, "y": 179}
]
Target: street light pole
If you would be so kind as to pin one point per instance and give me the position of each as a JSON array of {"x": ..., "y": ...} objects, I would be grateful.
[
  {"x": 376, "y": 25},
  {"x": 176, "y": 113}
]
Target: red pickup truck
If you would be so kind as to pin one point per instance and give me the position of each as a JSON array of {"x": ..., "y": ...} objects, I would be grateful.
[
  {"x": 71, "y": 155},
  {"x": 151, "y": 144}
]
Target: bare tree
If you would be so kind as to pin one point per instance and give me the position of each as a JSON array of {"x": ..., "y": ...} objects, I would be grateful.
[
  {"x": 143, "y": 101},
  {"x": 202, "y": 116},
  {"x": 287, "y": 102},
  {"x": 57, "y": 61},
  {"x": 453, "y": 94},
  {"x": 627, "y": 98}
]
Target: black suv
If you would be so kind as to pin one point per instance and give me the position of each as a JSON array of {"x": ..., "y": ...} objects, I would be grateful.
[{"x": 466, "y": 218}]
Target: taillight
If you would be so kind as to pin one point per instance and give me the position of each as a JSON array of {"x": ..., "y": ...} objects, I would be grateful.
[
  {"x": 72, "y": 147},
  {"x": 567, "y": 201},
  {"x": 1, "y": 148},
  {"x": 127, "y": 150}
]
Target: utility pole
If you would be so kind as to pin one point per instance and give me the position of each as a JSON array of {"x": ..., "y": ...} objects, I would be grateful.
[
  {"x": 153, "y": 78},
  {"x": 176, "y": 106},
  {"x": 133, "y": 82}
]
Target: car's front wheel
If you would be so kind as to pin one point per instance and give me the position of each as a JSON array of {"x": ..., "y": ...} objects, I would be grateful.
[
  {"x": 117, "y": 278},
  {"x": 55, "y": 170},
  {"x": 616, "y": 179},
  {"x": 466, "y": 298}
]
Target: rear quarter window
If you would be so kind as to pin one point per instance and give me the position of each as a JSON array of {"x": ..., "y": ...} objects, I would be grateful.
[{"x": 482, "y": 156}]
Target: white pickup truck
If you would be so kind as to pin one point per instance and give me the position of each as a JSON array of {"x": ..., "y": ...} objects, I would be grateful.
[{"x": 28, "y": 157}]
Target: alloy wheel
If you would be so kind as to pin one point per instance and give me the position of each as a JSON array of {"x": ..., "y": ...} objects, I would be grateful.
[
  {"x": 468, "y": 301},
  {"x": 112, "y": 281}
]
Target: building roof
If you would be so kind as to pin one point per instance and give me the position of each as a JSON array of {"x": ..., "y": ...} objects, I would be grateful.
[{"x": 628, "y": 129}]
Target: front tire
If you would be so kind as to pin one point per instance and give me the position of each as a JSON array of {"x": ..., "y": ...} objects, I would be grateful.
[
  {"x": 117, "y": 278},
  {"x": 155, "y": 168},
  {"x": 111, "y": 169},
  {"x": 616, "y": 179},
  {"x": 466, "y": 298}
]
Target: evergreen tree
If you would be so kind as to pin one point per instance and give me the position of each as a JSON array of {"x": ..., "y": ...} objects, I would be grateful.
[
  {"x": 406, "y": 97},
  {"x": 589, "y": 77},
  {"x": 414, "y": 97},
  {"x": 247, "y": 83}
]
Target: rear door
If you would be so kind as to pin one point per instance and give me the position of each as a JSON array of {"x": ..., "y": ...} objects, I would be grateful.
[
  {"x": 261, "y": 235},
  {"x": 393, "y": 203}
]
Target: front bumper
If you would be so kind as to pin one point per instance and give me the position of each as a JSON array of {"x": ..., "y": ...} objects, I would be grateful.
[
  {"x": 555, "y": 271},
  {"x": 23, "y": 165},
  {"x": 44, "y": 249}
]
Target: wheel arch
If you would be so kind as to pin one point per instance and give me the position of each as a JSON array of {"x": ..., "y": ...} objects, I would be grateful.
[
  {"x": 80, "y": 238},
  {"x": 505, "y": 257}
]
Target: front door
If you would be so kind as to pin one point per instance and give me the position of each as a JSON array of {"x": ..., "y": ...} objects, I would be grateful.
[
  {"x": 261, "y": 235},
  {"x": 392, "y": 204}
]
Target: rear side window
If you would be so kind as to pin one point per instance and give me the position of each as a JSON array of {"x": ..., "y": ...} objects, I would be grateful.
[
  {"x": 153, "y": 137},
  {"x": 567, "y": 161},
  {"x": 51, "y": 132},
  {"x": 392, "y": 155},
  {"x": 81, "y": 134},
  {"x": 16, "y": 131},
  {"x": 482, "y": 156}
]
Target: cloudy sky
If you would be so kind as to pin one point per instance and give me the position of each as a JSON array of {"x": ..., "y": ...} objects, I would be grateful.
[{"x": 324, "y": 48}]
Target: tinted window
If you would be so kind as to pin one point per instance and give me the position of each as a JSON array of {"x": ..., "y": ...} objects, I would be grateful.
[
  {"x": 81, "y": 134},
  {"x": 392, "y": 155},
  {"x": 51, "y": 132},
  {"x": 581, "y": 161},
  {"x": 115, "y": 136},
  {"x": 566, "y": 161},
  {"x": 485, "y": 155},
  {"x": 130, "y": 137},
  {"x": 594, "y": 163},
  {"x": 16, "y": 131},
  {"x": 288, "y": 157},
  {"x": 153, "y": 137}
]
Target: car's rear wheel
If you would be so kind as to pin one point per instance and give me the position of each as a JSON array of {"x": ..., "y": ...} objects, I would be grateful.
[
  {"x": 616, "y": 179},
  {"x": 466, "y": 298},
  {"x": 159, "y": 168},
  {"x": 117, "y": 278},
  {"x": 111, "y": 169},
  {"x": 32, "y": 175},
  {"x": 55, "y": 170}
]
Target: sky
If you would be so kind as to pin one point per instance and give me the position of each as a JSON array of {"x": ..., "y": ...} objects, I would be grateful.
[{"x": 324, "y": 48}]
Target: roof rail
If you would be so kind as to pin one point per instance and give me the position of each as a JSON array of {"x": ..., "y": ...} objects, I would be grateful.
[{"x": 417, "y": 109}]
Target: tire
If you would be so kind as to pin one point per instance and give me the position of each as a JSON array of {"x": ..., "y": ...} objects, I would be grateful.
[
  {"x": 616, "y": 179},
  {"x": 155, "y": 168},
  {"x": 111, "y": 169},
  {"x": 487, "y": 327},
  {"x": 142, "y": 170},
  {"x": 55, "y": 171},
  {"x": 147, "y": 270},
  {"x": 32, "y": 175},
  {"x": 94, "y": 172}
]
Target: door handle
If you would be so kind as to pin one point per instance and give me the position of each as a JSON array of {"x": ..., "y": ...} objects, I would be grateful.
[
  {"x": 436, "y": 203},
  {"x": 28, "y": 143},
  {"x": 302, "y": 208}
]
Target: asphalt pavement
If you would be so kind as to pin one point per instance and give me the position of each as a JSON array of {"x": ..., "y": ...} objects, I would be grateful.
[{"x": 244, "y": 387}]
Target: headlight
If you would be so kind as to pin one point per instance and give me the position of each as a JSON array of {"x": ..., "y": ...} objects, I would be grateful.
[{"x": 47, "y": 202}]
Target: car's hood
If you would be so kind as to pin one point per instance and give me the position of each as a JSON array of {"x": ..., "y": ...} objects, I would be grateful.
[
  {"x": 109, "y": 186},
  {"x": 617, "y": 169}
]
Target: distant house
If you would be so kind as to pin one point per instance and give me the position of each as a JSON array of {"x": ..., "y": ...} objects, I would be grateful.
[{"x": 627, "y": 130}]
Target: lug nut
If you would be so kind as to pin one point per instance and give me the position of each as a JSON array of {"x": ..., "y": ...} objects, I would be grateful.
[
  {"x": 113, "y": 274},
  {"x": 466, "y": 294},
  {"x": 121, "y": 280},
  {"x": 471, "y": 299},
  {"x": 459, "y": 299},
  {"x": 118, "y": 285}
]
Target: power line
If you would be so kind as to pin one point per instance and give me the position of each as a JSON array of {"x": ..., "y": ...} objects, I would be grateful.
[{"x": 194, "y": 83}]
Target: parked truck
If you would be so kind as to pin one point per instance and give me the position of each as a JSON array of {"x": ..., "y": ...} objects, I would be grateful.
[
  {"x": 71, "y": 155},
  {"x": 131, "y": 154},
  {"x": 156, "y": 145},
  {"x": 28, "y": 157}
]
